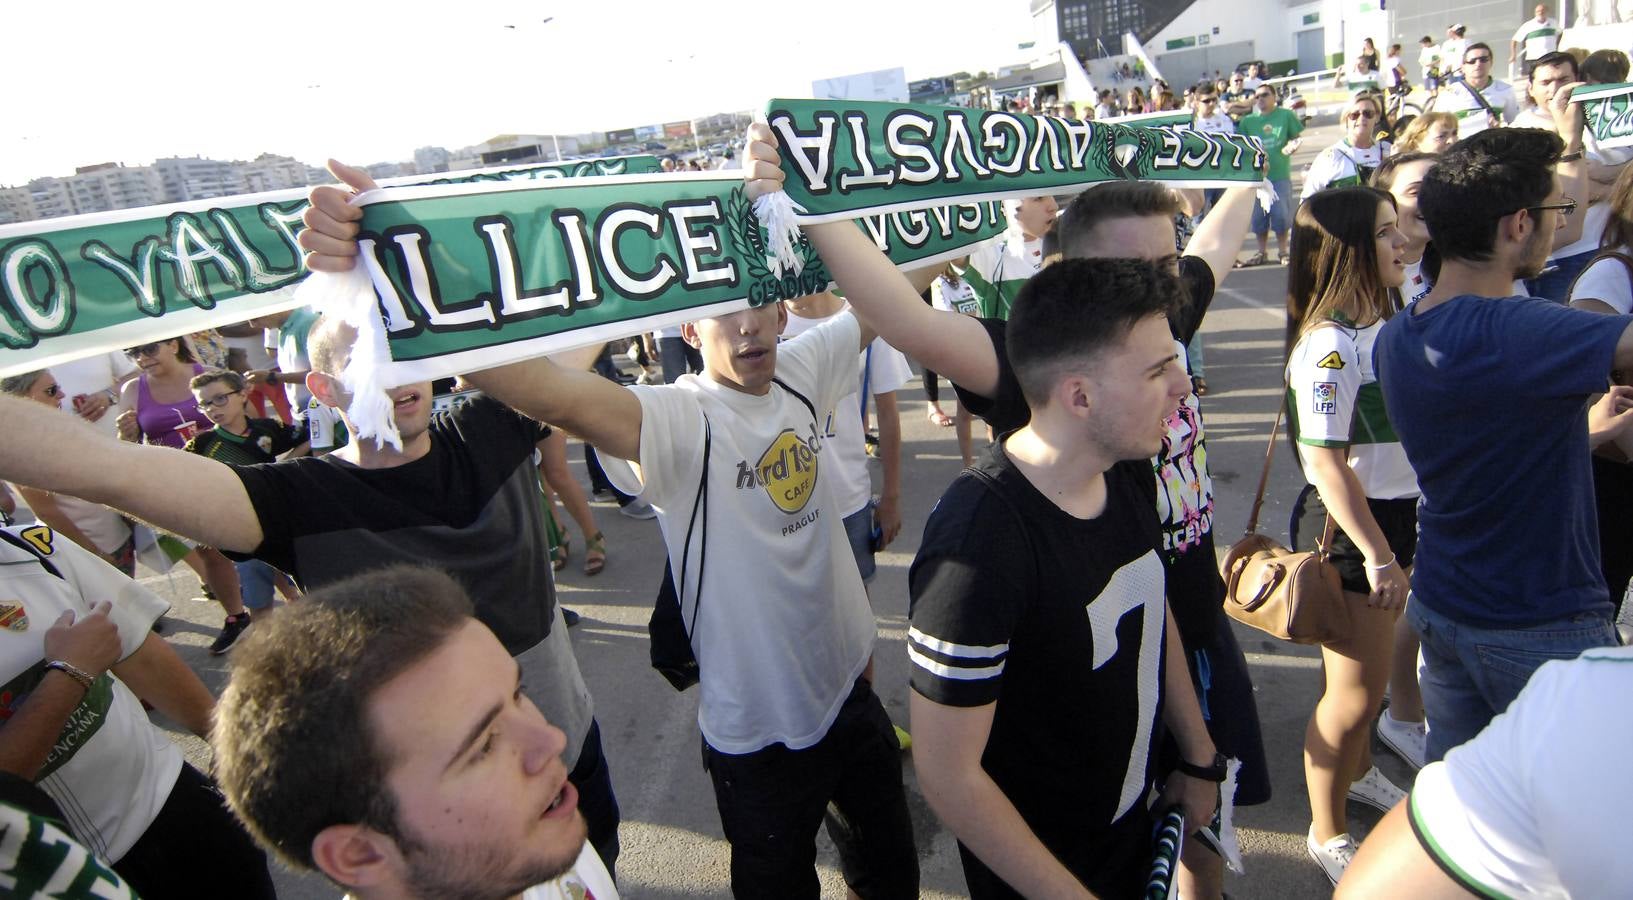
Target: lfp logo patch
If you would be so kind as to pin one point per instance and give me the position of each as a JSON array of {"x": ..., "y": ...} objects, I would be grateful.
[{"x": 1324, "y": 398}]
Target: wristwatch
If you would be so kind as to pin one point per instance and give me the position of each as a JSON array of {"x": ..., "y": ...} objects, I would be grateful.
[
  {"x": 1571, "y": 157},
  {"x": 1214, "y": 772}
]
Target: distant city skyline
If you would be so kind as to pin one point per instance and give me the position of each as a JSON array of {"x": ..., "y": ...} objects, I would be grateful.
[{"x": 368, "y": 82}]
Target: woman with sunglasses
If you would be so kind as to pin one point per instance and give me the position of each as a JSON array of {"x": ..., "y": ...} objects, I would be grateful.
[
  {"x": 158, "y": 407},
  {"x": 1346, "y": 264},
  {"x": 1351, "y": 160}
]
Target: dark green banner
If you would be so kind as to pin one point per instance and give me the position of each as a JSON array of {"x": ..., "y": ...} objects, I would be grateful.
[
  {"x": 79, "y": 285},
  {"x": 473, "y": 276}
]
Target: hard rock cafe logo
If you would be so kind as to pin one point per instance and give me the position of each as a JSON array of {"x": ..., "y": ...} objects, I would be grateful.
[{"x": 787, "y": 470}]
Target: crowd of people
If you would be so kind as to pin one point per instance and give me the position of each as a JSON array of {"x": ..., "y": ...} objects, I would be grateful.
[{"x": 412, "y": 722}]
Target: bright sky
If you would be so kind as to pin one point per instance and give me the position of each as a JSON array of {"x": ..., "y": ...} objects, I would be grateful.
[{"x": 368, "y": 81}]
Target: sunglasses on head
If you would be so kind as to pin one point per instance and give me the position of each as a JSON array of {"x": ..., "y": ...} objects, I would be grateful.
[{"x": 144, "y": 350}]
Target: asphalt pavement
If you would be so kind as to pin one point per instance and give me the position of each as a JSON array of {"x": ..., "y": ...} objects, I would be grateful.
[{"x": 672, "y": 844}]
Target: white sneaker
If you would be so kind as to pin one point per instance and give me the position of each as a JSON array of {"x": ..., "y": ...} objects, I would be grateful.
[
  {"x": 1375, "y": 790},
  {"x": 1408, "y": 740},
  {"x": 1334, "y": 856}
]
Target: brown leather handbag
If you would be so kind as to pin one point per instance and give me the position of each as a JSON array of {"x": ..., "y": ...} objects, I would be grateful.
[{"x": 1295, "y": 595}]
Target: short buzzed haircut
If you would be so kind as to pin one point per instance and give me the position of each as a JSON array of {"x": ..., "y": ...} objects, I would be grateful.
[
  {"x": 1112, "y": 200},
  {"x": 295, "y": 752},
  {"x": 1069, "y": 313}
]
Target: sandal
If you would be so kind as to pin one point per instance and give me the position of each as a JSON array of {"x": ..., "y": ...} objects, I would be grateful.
[
  {"x": 1199, "y": 386},
  {"x": 1257, "y": 259},
  {"x": 595, "y": 554},
  {"x": 937, "y": 417},
  {"x": 559, "y": 553}
]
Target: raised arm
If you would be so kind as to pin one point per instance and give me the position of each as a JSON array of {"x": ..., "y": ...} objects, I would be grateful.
[
  {"x": 884, "y": 299},
  {"x": 1573, "y": 175},
  {"x": 192, "y": 496},
  {"x": 1219, "y": 238},
  {"x": 563, "y": 393}
]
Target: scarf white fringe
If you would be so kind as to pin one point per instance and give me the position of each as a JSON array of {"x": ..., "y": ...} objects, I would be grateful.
[
  {"x": 778, "y": 213},
  {"x": 349, "y": 297}
]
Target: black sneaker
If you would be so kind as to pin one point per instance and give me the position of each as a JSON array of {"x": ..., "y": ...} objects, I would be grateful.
[{"x": 230, "y": 632}]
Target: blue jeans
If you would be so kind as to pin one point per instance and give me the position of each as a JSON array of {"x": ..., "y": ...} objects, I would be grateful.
[
  {"x": 1469, "y": 674},
  {"x": 256, "y": 581}
]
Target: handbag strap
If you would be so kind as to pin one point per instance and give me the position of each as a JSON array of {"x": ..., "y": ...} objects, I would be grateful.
[
  {"x": 1264, "y": 473},
  {"x": 1264, "y": 481}
]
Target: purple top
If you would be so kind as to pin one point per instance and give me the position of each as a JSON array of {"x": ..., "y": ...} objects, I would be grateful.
[{"x": 170, "y": 424}]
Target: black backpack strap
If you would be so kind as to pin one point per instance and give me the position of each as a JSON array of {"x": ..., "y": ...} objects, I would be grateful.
[
  {"x": 32, "y": 550},
  {"x": 701, "y": 500},
  {"x": 801, "y": 397}
]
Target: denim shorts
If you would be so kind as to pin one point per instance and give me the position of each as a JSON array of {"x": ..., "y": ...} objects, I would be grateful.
[
  {"x": 1276, "y": 219},
  {"x": 859, "y": 531},
  {"x": 1470, "y": 673}
]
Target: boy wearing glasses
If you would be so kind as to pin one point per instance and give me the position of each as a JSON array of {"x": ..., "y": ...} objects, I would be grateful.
[
  {"x": 1479, "y": 101},
  {"x": 239, "y": 440}
]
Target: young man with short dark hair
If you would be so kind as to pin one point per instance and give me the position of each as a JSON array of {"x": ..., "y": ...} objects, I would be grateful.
[
  {"x": 379, "y": 734},
  {"x": 1041, "y": 644},
  {"x": 1489, "y": 394}
]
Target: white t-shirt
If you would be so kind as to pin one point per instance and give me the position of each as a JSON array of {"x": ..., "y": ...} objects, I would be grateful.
[
  {"x": 1530, "y": 806},
  {"x": 1337, "y": 166},
  {"x": 1451, "y": 56},
  {"x": 1337, "y": 402},
  {"x": 783, "y": 627},
  {"x": 1458, "y": 99},
  {"x": 1606, "y": 280},
  {"x": 1218, "y": 123},
  {"x": 1429, "y": 59},
  {"x": 1539, "y": 38},
  {"x": 1391, "y": 78},
  {"x": 93, "y": 375},
  {"x": 886, "y": 371},
  {"x": 1251, "y": 83},
  {"x": 110, "y": 770}
]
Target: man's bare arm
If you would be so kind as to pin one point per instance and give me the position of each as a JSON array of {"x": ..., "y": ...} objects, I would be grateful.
[
  {"x": 156, "y": 674},
  {"x": 190, "y": 495},
  {"x": 1219, "y": 238},
  {"x": 589, "y": 406},
  {"x": 947, "y": 747},
  {"x": 954, "y": 345},
  {"x": 1391, "y": 863}
]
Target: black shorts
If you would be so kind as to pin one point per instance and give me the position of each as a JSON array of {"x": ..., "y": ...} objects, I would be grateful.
[
  {"x": 1398, "y": 519},
  {"x": 1224, "y": 688},
  {"x": 773, "y": 800}
]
